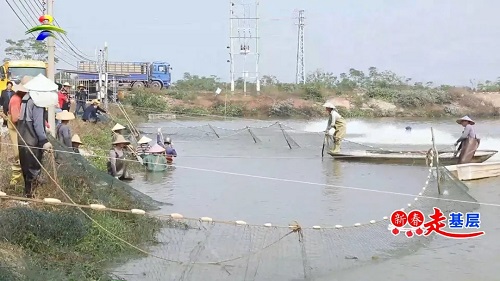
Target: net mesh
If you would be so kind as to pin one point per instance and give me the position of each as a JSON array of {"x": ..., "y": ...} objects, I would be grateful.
[
  {"x": 219, "y": 251},
  {"x": 194, "y": 249}
]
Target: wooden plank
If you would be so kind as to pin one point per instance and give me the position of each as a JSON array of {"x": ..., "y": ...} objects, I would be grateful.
[
  {"x": 164, "y": 116},
  {"x": 475, "y": 171}
]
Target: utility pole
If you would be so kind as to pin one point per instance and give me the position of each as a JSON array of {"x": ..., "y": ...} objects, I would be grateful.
[
  {"x": 244, "y": 41},
  {"x": 100, "y": 71},
  {"x": 300, "y": 73},
  {"x": 105, "y": 88},
  {"x": 51, "y": 66},
  {"x": 231, "y": 46}
]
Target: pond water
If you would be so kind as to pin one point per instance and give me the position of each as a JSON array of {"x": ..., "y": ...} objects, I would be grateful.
[{"x": 231, "y": 177}]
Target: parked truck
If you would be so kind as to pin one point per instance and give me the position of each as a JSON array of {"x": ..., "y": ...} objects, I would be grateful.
[
  {"x": 129, "y": 74},
  {"x": 14, "y": 70}
]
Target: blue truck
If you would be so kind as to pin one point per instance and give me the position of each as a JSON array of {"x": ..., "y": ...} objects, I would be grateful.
[{"x": 129, "y": 74}]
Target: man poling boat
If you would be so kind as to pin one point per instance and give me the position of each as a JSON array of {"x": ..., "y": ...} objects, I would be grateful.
[
  {"x": 468, "y": 141},
  {"x": 337, "y": 123}
]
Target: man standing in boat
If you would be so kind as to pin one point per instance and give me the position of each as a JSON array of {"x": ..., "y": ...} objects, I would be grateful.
[
  {"x": 468, "y": 141},
  {"x": 336, "y": 122}
]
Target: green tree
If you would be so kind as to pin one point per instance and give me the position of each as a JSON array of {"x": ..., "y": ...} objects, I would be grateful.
[
  {"x": 26, "y": 49},
  {"x": 322, "y": 79},
  {"x": 269, "y": 80},
  {"x": 194, "y": 82}
]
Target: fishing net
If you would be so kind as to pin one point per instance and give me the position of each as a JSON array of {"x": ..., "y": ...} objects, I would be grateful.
[
  {"x": 201, "y": 249},
  {"x": 267, "y": 133}
]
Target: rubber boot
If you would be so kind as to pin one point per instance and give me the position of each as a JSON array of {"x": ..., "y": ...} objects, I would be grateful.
[
  {"x": 336, "y": 147},
  {"x": 333, "y": 148},
  {"x": 17, "y": 174}
]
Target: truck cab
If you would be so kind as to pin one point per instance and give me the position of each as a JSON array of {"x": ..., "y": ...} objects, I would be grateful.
[
  {"x": 160, "y": 75},
  {"x": 15, "y": 70}
]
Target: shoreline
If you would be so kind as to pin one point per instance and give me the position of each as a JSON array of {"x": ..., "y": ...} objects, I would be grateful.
[{"x": 264, "y": 106}]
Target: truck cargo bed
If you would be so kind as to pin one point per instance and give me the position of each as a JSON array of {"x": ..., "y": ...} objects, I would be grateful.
[{"x": 116, "y": 67}]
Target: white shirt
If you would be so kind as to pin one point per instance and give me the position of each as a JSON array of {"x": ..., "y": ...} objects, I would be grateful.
[{"x": 335, "y": 116}]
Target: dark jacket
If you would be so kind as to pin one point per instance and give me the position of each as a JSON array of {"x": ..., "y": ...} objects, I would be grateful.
[
  {"x": 91, "y": 112},
  {"x": 5, "y": 99},
  {"x": 81, "y": 96}
]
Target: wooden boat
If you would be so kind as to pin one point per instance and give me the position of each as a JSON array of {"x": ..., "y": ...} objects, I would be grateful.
[
  {"x": 407, "y": 157},
  {"x": 475, "y": 171}
]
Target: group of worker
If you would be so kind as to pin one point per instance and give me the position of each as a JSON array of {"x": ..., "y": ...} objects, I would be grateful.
[
  {"x": 26, "y": 117},
  {"x": 89, "y": 113},
  {"x": 465, "y": 146},
  {"x": 24, "y": 114},
  {"x": 155, "y": 158}
]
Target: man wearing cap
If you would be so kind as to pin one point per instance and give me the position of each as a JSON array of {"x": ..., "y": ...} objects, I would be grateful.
[
  {"x": 5, "y": 99},
  {"x": 336, "y": 122},
  {"x": 32, "y": 140},
  {"x": 81, "y": 99},
  {"x": 468, "y": 141}
]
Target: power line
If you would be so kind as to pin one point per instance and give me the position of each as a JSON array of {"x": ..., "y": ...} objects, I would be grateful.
[
  {"x": 34, "y": 14},
  {"x": 34, "y": 21},
  {"x": 69, "y": 43},
  {"x": 63, "y": 36},
  {"x": 18, "y": 17}
]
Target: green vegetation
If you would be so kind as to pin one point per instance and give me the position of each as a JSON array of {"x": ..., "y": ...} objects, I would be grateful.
[
  {"x": 64, "y": 245},
  {"x": 362, "y": 93}
]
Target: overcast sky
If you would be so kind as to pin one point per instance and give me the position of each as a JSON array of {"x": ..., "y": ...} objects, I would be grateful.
[{"x": 446, "y": 41}]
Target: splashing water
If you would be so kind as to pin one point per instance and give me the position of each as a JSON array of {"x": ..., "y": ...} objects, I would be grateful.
[{"x": 386, "y": 133}]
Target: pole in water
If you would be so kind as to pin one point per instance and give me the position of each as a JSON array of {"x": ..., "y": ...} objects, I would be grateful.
[
  {"x": 284, "y": 135},
  {"x": 213, "y": 130},
  {"x": 251, "y": 134},
  {"x": 437, "y": 161}
]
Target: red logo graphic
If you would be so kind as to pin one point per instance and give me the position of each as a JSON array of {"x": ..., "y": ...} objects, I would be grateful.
[{"x": 414, "y": 223}]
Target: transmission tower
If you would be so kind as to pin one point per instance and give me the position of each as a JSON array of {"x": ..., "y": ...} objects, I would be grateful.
[
  {"x": 301, "y": 73},
  {"x": 244, "y": 42}
]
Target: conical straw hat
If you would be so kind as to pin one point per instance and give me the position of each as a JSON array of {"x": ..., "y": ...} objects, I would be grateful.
[
  {"x": 76, "y": 139},
  {"x": 466, "y": 118},
  {"x": 20, "y": 87},
  {"x": 329, "y": 105},
  {"x": 144, "y": 140},
  {"x": 120, "y": 139},
  {"x": 156, "y": 149},
  {"x": 117, "y": 127},
  {"x": 65, "y": 115}
]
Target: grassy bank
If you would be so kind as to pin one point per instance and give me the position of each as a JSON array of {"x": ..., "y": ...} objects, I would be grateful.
[
  {"x": 306, "y": 103},
  {"x": 43, "y": 242}
]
